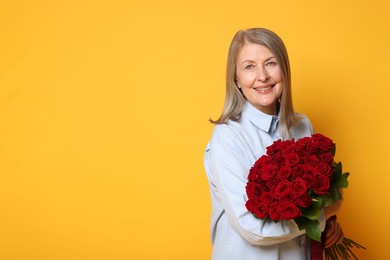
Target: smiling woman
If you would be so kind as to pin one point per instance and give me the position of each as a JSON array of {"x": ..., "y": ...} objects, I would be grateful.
[
  {"x": 258, "y": 110},
  {"x": 265, "y": 53}
]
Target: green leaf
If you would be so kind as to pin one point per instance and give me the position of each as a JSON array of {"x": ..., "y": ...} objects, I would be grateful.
[
  {"x": 317, "y": 202},
  {"x": 345, "y": 175},
  {"x": 327, "y": 200},
  {"x": 313, "y": 230},
  {"x": 342, "y": 183},
  {"x": 334, "y": 192},
  {"x": 311, "y": 213},
  {"x": 333, "y": 152},
  {"x": 338, "y": 171}
]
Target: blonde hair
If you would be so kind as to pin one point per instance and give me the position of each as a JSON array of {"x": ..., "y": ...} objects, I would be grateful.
[{"x": 235, "y": 100}]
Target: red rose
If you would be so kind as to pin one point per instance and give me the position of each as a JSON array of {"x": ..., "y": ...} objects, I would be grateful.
[
  {"x": 288, "y": 143},
  {"x": 272, "y": 183},
  {"x": 299, "y": 186},
  {"x": 289, "y": 147},
  {"x": 300, "y": 145},
  {"x": 309, "y": 176},
  {"x": 284, "y": 173},
  {"x": 326, "y": 158},
  {"x": 267, "y": 197},
  {"x": 312, "y": 147},
  {"x": 254, "y": 174},
  {"x": 302, "y": 154},
  {"x": 250, "y": 205},
  {"x": 268, "y": 171},
  {"x": 260, "y": 210},
  {"x": 304, "y": 140},
  {"x": 298, "y": 170},
  {"x": 311, "y": 160},
  {"x": 317, "y": 137},
  {"x": 278, "y": 158},
  {"x": 263, "y": 160},
  {"x": 324, "y": 169},
  {"x": 254, "y": 190},
  {"x": 325, "y": 144},
  {"x": 321, "y": 186},
  {"x": 281, "y": 187},
  {"x": 291, "y": 159},
  {"x": 288, "y": 195},
  {"x": 274, "y": 211},
  {"x": 304, "y": 200},
  {"x": 290, "y": 211},
  {"x": 275, "y": 147}
]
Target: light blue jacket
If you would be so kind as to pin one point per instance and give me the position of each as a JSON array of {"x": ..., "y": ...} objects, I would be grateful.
[{"x": 231, "y": 152}]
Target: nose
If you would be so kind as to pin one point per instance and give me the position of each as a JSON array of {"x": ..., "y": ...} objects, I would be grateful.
[{"x": 262, "y": 74}]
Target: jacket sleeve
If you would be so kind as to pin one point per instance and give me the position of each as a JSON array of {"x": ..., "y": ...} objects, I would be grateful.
[{"x": 227, "y": 172}]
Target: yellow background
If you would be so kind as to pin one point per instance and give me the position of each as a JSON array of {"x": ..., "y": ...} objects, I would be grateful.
[{"x": 104, "y": 108}]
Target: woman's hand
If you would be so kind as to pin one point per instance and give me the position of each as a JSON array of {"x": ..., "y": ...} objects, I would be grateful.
[
  {"x": 334, "y": 208},
  {"x": 334, "y": 233}
]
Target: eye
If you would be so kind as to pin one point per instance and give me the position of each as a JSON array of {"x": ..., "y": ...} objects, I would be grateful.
[
  {"x": 271, "y": 63},
  {"x": 248, "y": 67}
]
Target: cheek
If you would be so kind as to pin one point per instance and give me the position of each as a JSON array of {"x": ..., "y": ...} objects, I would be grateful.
[
  {"x": 278, "y": 78},
  {"x": 280, "y": 88},
  {"x": 277, "y": 75},
  {"x": 246, "y": 80}
]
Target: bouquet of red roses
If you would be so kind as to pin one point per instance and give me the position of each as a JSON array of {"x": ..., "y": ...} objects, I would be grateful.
[{"x": 295, "y": 180}]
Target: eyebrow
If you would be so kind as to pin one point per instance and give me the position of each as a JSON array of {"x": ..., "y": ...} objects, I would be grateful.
[{"x": 252, "y": 61}]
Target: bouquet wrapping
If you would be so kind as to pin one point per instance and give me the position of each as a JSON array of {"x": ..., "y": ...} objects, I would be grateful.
[{"x": 294, "y": 180}]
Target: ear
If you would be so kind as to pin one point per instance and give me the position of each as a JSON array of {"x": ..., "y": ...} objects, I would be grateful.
[{"x": 238, "y": 86}]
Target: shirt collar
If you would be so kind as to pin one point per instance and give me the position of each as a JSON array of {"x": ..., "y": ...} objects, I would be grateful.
[{"x": 265, "y": 122}]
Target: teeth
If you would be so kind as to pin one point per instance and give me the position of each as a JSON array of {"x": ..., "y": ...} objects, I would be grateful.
[{"x": 263, "y": 89}]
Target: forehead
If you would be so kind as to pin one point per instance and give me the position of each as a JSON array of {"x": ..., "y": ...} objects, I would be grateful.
[{"x": 253, "y": 51}]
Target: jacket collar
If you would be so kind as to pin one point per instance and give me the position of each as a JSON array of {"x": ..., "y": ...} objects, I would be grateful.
[{"x": 265, "y": 122}]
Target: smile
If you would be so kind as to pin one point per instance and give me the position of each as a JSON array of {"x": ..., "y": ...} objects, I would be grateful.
[{"x": 264, "y": 88}]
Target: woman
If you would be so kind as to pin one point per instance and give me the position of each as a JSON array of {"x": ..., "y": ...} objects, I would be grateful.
[{"x": 258, "y": 110}]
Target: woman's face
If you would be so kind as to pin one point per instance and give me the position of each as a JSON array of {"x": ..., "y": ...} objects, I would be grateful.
[{"x": 259, "y": 76}]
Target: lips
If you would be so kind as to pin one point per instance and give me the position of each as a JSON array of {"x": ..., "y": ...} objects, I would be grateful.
[{"x": 264, "y": 88}]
